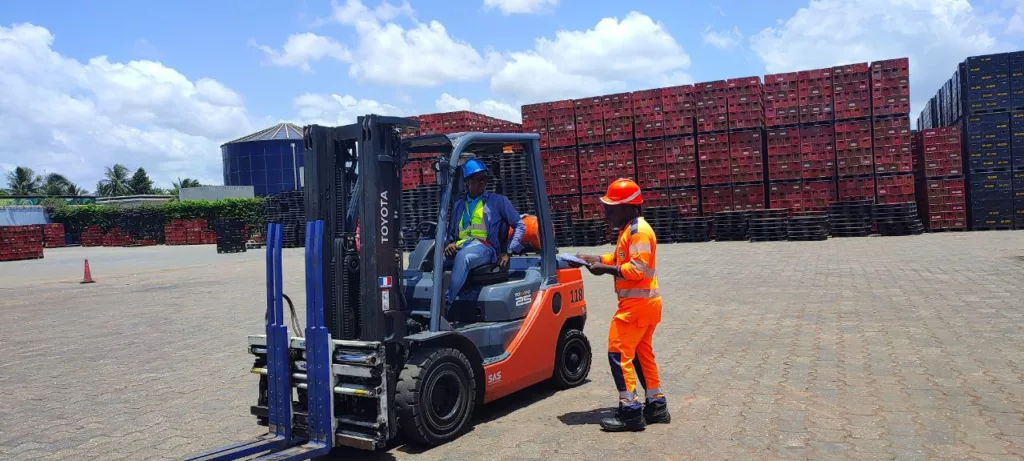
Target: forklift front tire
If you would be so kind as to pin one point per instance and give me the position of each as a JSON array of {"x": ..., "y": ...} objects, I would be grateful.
[
  {"x": 435, "y": 396},
  {"x": 573, "y": 358}
]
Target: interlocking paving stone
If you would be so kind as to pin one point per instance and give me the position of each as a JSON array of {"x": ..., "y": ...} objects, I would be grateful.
[{"x": 901, "y": 348}]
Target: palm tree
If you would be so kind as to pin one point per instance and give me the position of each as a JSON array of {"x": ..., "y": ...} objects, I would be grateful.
[
  {"x": 58, "y": 184},
  {"x": 23, "y": 181},
  {"x": 180, "y": 184},
  {"x": 116, "y": 182}
]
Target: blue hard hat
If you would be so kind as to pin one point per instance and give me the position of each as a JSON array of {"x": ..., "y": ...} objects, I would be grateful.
[{"x": 472, "y": 167}]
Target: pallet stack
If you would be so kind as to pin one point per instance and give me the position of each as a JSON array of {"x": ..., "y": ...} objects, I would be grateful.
[
  {"x": 21, "y": 242},
  {"x": 188, "y": 232},
  {"x": 940, "y": 179},
  {"x": 231, "y": 235},
  {"x": 985, "y": 99},
  {"x": 92, "y": 236}
]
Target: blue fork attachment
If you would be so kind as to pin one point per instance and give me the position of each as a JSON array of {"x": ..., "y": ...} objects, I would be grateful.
[{"x": 279, "y": 377}]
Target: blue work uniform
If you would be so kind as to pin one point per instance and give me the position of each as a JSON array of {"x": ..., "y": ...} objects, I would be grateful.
[{"x": 499, "y": 214}]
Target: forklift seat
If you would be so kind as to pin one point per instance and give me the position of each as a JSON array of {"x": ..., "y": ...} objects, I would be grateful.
[{"x": 487, "y": 274}]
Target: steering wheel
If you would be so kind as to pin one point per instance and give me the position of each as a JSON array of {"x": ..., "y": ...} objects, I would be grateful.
[{"x": 426, "y": 229}]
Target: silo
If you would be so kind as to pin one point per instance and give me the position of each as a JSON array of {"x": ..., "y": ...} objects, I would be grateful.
[{"x": 269, "y": 160}]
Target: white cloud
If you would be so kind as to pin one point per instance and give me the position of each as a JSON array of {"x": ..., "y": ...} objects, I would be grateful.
[
  {"x": 934, "y": 34},
  {"x": 62, "y": 115},
  {"x": 1015, "y": 26},
  {"x": 510, "y": 7},
  {"x": 496, "y": 109},
  {"x": 724, "y": 39},
  {"x": 595, "y": 61},
  {"x": 302, "y": 49},
  {"x": 333, "y": 109},
  {"x": 422, "y": 56}
]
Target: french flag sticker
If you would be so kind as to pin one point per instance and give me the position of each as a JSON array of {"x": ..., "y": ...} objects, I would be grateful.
[{"x": 384, "y": 282}]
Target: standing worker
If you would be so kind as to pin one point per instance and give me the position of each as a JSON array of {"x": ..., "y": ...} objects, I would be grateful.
[{"x": 632, "y": 328}]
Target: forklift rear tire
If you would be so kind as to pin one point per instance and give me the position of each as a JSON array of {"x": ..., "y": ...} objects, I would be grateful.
[
  {"x": 435, "y": 396},
  {"x": 573, "y": 357}
]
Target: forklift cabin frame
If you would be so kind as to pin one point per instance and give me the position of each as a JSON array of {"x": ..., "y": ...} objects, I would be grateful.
[{"x": 451, "y": 148}]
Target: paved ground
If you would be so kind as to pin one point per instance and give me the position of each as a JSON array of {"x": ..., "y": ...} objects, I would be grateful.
[{"x": 871, "y": 348}]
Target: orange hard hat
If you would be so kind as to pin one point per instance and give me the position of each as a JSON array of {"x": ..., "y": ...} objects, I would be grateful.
[{"x": 623, "y": 192}]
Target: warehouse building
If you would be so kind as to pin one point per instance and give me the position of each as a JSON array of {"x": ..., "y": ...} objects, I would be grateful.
[{"x": 269, "y": 160}]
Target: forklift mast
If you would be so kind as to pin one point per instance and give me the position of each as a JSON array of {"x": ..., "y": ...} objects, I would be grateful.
[{"x": 354, "y": 175}]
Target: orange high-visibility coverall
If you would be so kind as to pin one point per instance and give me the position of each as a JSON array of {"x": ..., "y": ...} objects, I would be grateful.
[
  {"x": 531, "y": 238},
  {"x": 639, "y": 312}
]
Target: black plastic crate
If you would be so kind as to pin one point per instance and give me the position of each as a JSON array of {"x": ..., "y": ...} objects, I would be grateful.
[
  {"x": 987, "y": 63},
  {"x": 981, "y": 124}
]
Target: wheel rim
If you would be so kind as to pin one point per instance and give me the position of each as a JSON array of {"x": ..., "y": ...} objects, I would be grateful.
[
  {"x": 445, "y": 398},
  {"x": 574, "y": 361}
]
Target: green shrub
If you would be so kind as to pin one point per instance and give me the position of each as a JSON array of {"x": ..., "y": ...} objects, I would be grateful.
[{"x": 77, "y": 218}]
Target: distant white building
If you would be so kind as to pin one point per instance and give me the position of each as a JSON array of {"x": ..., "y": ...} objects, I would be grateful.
[
  {"x": 134, "y": 200},
  {"x": 215, "y": 192}
]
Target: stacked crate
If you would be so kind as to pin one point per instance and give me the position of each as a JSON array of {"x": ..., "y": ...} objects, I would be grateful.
[
  {"x": 92, "y": 236},
  {"x": 940, "y": 180},
  {"x": 893, "y": 154},
  {"x": 782, "y": 99},
  {"x": 666, "y": 153},
  {"x": 21, "y": 242},
  {"x": 989, "y": 171},
  {"x": 648, "y": 114},
  {"x": 53, "y": 235}
]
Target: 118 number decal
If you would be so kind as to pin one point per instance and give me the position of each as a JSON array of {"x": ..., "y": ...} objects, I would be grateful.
[{"x": 576, "y": 296}]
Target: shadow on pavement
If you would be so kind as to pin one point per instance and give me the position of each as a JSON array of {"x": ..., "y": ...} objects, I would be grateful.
[{"x": 579, "y": 418}]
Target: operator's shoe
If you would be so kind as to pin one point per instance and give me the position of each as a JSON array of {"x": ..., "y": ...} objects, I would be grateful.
[
  {"x": 656, "y": 411},
  {"x": 627, "y": 418}
]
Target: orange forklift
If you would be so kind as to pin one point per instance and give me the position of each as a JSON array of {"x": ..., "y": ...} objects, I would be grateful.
[{"x": 377, "y": 356}]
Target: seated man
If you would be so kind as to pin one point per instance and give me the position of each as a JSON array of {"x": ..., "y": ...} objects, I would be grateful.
[{"x": 474, "y": 229}]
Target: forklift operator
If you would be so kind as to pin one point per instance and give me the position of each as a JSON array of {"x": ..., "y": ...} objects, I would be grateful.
[{"x": 474, "y": 230}]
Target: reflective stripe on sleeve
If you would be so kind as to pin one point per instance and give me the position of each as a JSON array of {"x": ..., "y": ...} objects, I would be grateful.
[{"x": 642, "y": 293}]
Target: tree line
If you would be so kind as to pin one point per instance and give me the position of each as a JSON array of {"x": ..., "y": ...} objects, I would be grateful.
[{"x": 118, "y": 181}]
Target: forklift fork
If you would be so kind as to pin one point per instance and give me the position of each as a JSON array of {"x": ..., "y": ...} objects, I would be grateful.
[{"x": 280, "y": 441}]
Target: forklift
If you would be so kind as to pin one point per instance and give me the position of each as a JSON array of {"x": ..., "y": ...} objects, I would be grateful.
[{"x": 379, "y": 356}]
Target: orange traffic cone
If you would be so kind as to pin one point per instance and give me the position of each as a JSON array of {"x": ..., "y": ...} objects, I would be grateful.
[{"x": 88, "y": 274}]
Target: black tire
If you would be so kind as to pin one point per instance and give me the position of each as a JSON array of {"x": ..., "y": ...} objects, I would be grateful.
[
  {"x": 573, "y": 358},
  {"x": 435, "y": 396}
]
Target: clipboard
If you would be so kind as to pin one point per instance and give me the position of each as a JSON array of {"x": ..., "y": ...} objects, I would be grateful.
[{"x": 572, "y": 259}]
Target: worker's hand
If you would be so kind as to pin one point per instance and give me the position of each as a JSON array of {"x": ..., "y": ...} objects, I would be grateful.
[
  {"x": 601, "y": 269},
  {"x": 451, "y": 249},
  {"x": 503, "y": 261}
]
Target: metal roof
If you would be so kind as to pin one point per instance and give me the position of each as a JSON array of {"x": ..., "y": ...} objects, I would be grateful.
[{"x": 275, "y": 133}]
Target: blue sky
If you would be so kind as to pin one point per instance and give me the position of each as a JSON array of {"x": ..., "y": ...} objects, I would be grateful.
[{"x": 163, "y": 84}]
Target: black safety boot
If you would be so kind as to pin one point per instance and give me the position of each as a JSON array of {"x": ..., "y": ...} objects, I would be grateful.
[
  {"x": 656, "y": 411},
  {"x": 627, "y": 418}
]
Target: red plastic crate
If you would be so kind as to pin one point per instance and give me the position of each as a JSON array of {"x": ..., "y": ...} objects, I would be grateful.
[
  {"x": 895, "y": 189},
  {"x": 589, "y": 121},
  {"x": 816, "y": 95},
  {"x": 650, "y": 164},
  {"x": 715, "y": 199},
  {"x": 617, "y": 105},
  {"x": 854, "y": 154},
  {"x": 748, "y": 196},
  {"x": 715, "y": 164},
  {"x": 602, "y": 164},
  {"x": 819, "y": 194},
  {"x": 648, "y": 114},
  {"x": 862, "y": 188},
  {"x": 786, "y": 194},
  {"x": 686, "y": 200},
  {"x": 618, "y": 129},
  {"x": 711, "y": 103},
  {"x": 566, "y": 204},
  {"x": 53, "y": 235},
  {"x": 784, "y": 158},
  {"x": 938, "y": 152},
  {"x": 562, "y": 126},
  {"x": 21, "y": 242},
  {"x": 591, "y": 206},
  {"x": 892, "y": 145},
  {"x": 890, "y": 96},
  {"x": 782, "y": 99},
  {"x": 941, "y": 203},
  {"x": 560, "y": 171},
  {"x": 681, "y": 161},
  {"x": 746, "y": 156},
  {"x": 817, "y": 152},
  {"x": 851, "y": 88},
  {"x": 745, "y": 98}
]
